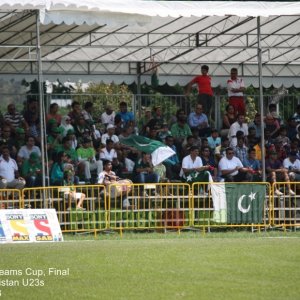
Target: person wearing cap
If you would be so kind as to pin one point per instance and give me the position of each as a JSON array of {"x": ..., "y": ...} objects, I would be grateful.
[
  {"x": 53, "y": 140},
  {"x": 292, "y": 165},
  {"x": 275, "y": 171},
  {"x": 81, "y": 128},
  {"x": 31, "y": 170},
  {"x": 108, "y": 117},
  {"x": 110, "y": 135},
  {"x": 20, "y": 137},
  {"x": 86, "y": 156},
  {"x": 9, "y": 172}
]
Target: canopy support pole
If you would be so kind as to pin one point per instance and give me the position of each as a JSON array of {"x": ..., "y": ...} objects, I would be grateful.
[
  {"x": 41, "y": 96},
  {"x": 261, "y": 101}
]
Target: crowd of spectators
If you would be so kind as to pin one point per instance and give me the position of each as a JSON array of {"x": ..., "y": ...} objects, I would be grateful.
[{"x": 77, "y": 149}]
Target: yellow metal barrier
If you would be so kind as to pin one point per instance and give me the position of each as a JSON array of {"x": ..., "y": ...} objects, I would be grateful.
[
  {"x": 93, "y": 216},
  {"x": 10, "y": 199},
  {"x": 286, "y": 204},
  {"x": 164, "y": 205},
  {"x": 231, "y": 204},
  {"x": 149, "y": 206}
]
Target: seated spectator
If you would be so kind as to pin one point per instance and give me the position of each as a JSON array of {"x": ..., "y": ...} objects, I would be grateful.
[
  {"x": 31, "y": 111},
  {"x": 276, "y": 172},
  {"x": 107, "y": 177},
  {"x": 9, "y": 172},
  {"x": 110, "y": 153},
  {"x": 108, "y": 117},
  {"x": 8, "y": 140},
  {"x": 252, "y": 163},
  {"x": 251, "y": 139},
  {"x": 157, "y": 119},
  {"x": 54, "y": 140},
  {"x": 20, "y": 138},
  {"x": 239, "y": 125},
  {"x": 81, "y": 129},
  {"x": 282, "y": 136},
  {"x": 164, "y": 132},
  {"x": 87, "y": 114},
  {"x": 31, "y": 170},
  {"x": 34, "y": 129},
  {"x": 75, "y": 112},
  {"x": 144, "y": 170},
  {"x": 256, "y": 124},
  {"x": 180, "y": 130},
  {"x": 197, "y": 138},
  {"x": 292, "y": 165},
  {"x": 53, "y": 113},
  {"x": 296, "y": 115},
  {"x": 274, "y": 113},
  {"x": 27, "y": 149},
  {"x": 291, "y": 128},
  {"x": 57, "y": 168},
  {"x": 229, "y": 118},
  {"x": 65, "y": 125},
  {"x": 187, "y": 146},
  {"x": 70, "y": 192},
  {"x": 272, "y": 125},
  {"x": 192, "y": 168},
  {"x": 199, "y": 119},
  {"x": 126, "y": 116},
  {"x": 110, "y": 135},
  {"x": 214, "y": 140},
  {"x": 220, "y": 150},
  {"x": 14, "y": 119},
  {"x": 241, "y": 151},
  {"x": 173, "y": 165},
  {"x": 144, "y": 120},
  {"x": 208, "y": 160},
  {"x": 231, "y": 168},
  {"x": 86, "y": 155}
]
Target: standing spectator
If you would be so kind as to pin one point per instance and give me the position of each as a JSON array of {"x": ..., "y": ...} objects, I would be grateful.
[
  {"x": 205, "y": 92},
  {"x": 239, "y": 125},
  {"x": 236, "y": 88},
  {"x": 9, "y": 172}
]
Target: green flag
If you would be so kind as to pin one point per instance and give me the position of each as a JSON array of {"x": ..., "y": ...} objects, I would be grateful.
[
  {"x": 238, "y": 203},
  {"x": 158, "y": 150}
]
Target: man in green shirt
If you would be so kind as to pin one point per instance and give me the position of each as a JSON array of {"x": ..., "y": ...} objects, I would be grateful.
[{"x": 86, "y": 156}]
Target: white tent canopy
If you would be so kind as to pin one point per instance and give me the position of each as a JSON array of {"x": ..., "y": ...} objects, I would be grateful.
[{"x": 115, "y": 40}]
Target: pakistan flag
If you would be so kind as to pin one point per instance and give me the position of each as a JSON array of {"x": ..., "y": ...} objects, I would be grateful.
[{"x": 238, "y": 203}]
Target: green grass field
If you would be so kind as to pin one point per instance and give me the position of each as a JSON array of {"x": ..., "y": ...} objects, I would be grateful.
[{"x": 157, "y": 266}]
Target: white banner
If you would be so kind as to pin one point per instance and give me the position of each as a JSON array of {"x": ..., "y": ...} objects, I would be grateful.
[{"x": 29, "y": 225}]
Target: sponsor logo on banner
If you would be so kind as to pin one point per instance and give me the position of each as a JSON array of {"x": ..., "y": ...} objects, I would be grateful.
[
  {"x": 19, "y": 231},
  {"x": 43, "y": 230},
  {"x": 2, "y": 234}
]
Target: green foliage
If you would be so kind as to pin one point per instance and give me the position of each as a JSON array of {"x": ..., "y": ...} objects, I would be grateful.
[{"x": 102, "y": 94}]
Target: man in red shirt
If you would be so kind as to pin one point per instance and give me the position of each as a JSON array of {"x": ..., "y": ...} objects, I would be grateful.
[
  {"x": 204, "y": 89},
  {"x": 236, "y": 87}
]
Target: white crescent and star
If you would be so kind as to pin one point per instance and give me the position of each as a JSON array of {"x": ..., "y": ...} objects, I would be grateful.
[{"x": 241, "y": 208}]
